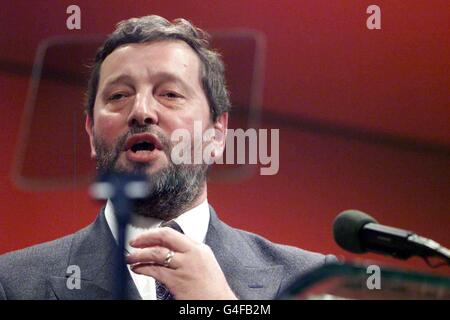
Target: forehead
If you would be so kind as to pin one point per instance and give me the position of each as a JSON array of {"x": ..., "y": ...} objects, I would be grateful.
[{"x": 138, "y": 60}]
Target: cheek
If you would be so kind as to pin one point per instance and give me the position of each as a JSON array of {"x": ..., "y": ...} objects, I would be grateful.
[
  {"x": 195, "y": 127},
  {"x": 109, "y": 127},
  {"x": 193, "y": 120}
]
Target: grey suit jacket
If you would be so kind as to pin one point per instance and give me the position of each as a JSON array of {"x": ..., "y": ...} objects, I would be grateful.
[{"x": 255, "y": 268}]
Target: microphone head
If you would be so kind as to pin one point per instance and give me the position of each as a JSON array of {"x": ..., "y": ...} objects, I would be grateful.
[{"x": 346, "y": 229}]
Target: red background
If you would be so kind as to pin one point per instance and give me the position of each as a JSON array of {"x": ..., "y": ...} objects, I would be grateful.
[{"x": 363, "y": 117}]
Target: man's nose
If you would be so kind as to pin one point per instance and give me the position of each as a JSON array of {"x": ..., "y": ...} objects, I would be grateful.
[{"x": 143, "y": 111}]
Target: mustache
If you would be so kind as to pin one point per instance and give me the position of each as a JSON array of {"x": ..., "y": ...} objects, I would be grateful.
[{"x": 121, "y": 141}]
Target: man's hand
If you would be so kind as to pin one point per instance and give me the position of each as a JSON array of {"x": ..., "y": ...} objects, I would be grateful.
[{"x": 193, "y": 272}]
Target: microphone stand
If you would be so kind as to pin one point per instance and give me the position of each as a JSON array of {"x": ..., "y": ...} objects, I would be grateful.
[
  {"x": 429, "y": 249},
  {"x": 122, "y": 189}
]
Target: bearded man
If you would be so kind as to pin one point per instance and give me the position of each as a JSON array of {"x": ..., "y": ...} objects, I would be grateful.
[{"x": 152, "y": 77}]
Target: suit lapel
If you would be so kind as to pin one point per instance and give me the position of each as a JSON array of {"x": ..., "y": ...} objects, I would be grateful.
[
  {"x": 247, "y": 275},
  {"x": 94, "y": 251}
]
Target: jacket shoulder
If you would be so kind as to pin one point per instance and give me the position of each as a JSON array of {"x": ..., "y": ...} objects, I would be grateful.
[
  {"x": 296, "y": 262},
  {"x": 33, "y": 257},
  {"x": 293, "y": 258},
  {"x": 26, "y": 269},
  {"x": 257, "y": 250}
]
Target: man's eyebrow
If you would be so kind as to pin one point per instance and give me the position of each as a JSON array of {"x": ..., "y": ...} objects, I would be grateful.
[
  {"x": 159, "y": 76},
  {"x": 167, "y": 76},
  {"x": 123, "y": 78}
]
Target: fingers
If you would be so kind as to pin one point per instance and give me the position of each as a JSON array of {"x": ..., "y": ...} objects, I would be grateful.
[
  {"x": 160, "y": 273},
  {"x": 192, "y": 273},
  {"x": 163, "y": 237},
  {"x": 155, "y": 255}
]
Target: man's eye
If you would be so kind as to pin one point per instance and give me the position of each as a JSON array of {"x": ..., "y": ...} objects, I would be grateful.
[
  {"x": 171, "y": 95},
  {"x": 117, "y": 96}
]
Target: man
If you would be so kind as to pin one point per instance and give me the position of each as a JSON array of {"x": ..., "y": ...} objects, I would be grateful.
[{"x": 151, "y": 78}]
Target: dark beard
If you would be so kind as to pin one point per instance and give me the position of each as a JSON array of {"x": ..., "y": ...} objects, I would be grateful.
[{"x": 173, "y": 189}]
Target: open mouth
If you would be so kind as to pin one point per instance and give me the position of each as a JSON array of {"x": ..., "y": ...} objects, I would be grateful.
[
  {"x": 142, "y": 147},
  {"x": 143, "y": 142}
]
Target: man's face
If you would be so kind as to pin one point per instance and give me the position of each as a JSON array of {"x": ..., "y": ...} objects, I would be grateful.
[{"x": 145, "y": 92}]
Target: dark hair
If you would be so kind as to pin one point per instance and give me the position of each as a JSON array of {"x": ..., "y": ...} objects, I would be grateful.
[{"x": 153, "y": 28}]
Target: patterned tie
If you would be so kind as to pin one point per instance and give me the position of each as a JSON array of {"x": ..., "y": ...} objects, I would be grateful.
[{"x": 162, "y": 293}]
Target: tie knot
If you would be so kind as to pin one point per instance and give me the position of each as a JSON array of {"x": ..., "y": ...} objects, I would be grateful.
[{"x": 172, "y": 224}]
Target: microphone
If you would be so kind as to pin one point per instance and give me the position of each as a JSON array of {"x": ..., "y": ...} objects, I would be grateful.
[{"x": 358, "y": 232}]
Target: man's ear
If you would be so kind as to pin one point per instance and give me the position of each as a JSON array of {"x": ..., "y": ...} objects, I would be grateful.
[
  {"x": 220, "y": 134},
  {"x": 89, "y": 126}
]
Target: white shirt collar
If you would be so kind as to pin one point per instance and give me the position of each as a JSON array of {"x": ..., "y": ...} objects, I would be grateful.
[{"x": 193, "y": 222}]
